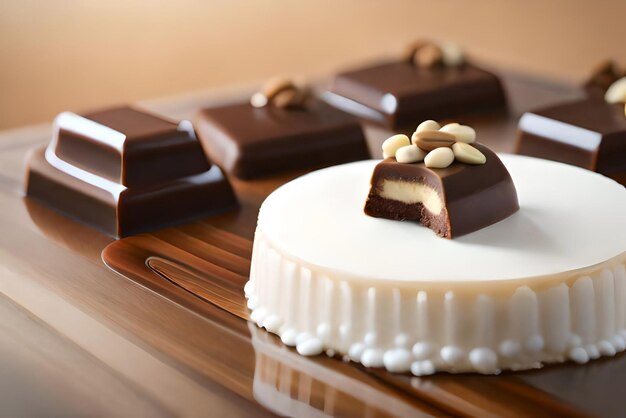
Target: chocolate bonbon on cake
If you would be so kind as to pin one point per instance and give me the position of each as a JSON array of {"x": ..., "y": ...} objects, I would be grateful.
[{"x": 443, "y": 179}]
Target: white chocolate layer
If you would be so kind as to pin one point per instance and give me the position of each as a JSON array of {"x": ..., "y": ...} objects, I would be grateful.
[
  {"x": 410, "y": 193},
  {"x": 391, "y": 294}
]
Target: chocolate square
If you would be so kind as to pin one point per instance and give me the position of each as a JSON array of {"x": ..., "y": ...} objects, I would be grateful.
[
  {"x": 254, "y": 142},
  {"x": 588, "y": 133},
  {"x": 399, "y": 94},
  {"x": 125, "y": 171},
  {"x": 129, "y": 146}
]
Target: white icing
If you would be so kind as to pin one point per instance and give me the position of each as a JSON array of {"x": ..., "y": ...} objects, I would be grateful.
[
  {"x": 422, "y": 368},
  {"x": 288, "y": 337},
  {"x": 310, "y": 347},
  {"x": 452, "y": 355},
  {"x": 543, "y": 238},
  {"x": 372, "y": 357},
  {"x": 422, "y": 350},
  {"x": 428, "y": 324},
  {"x": 484, "y": 360},
  {"x": 397, "y": 360},
  {"x": 272, "y": 323}
]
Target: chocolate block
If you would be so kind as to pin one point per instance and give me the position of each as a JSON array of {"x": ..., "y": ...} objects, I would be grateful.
[
  {"x": 452, "y": 201},
  {"x": 251, "y": 142},
  {"x": 398, "y": 93},
  {"x": 125, "y": 171},
  {"x": 588, "y": 133}
]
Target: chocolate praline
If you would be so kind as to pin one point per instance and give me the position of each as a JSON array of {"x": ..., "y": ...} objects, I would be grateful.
[
  {"x": 251, "y": 142},
  {"x": 465, "y": 197},
  {"x": 394, "y": 94},
  {"x": 588, "y": 133},
  {"x": 125, "y": 171}
]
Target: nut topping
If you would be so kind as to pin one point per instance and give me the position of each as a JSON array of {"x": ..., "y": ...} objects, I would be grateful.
[
  {"x": 467, "y": 154},
  {"x": 439, "y": 158},
  {"x": 282, "y": 93},
  {"x": 428, "y": 125},
  {"x": 410, "y": 154},
  {"x": 429, "y": 140},
  {"x": 616, "y": 92},
  {"x": 428, "y": 54},
  {"x": 462, "y": 133},
  {"x": 391, "y": 144},
  {"x": 437, "y": 147}
]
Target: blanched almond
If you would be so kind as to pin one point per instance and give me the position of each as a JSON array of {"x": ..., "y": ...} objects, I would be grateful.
[
  {"x": 391, "y": 144},
  {"x": 410, "y": 154},
  {"x": 429, "y": 56},
  {"x": 467, "y": 154},
  {"x": 462, "y": 133},
  {"x": 275, "y": 85},
  {"x": 616, "y": 93},
  {"x": 453, "y": 55},
  {"x": 428, "y": 125},
  {"x": 439, "y": 158}
]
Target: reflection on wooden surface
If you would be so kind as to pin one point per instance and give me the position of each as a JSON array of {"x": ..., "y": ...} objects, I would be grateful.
[
  {"x": 168, "y": 336},
  {"x": 291, "y": 385}
]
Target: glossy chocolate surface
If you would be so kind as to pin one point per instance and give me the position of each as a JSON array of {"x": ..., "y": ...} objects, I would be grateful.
[
  {"x": 474, "y": 196},
  {"x": 254, "y": 142},
  {"x": 137, "y": 149},
  {"x": 397, "y": 94},
  {"x": 588, "y": 133},
  {"x": 124, "y": 171}
]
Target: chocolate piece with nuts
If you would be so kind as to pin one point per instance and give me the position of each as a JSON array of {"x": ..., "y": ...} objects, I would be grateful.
[
  {"x": 457, "y": 189},
  {"x": 428, "y": 81},
  {"x": 283, "y": 128},
  {"x": 452, "y": 201}
]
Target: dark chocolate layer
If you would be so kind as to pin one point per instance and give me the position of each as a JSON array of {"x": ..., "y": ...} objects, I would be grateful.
[
  {"x": 399, "y": 93},
  {"x": 589, "y": 133},
  {"x": 152, "y": 149},
  {"x": 254, "y": 142},
  {"x": 473, "y": 196},
  {"x": 137, "y": 209}
]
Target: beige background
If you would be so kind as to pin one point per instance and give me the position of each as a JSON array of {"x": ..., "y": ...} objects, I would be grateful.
[{"x": 71, "y": 54}]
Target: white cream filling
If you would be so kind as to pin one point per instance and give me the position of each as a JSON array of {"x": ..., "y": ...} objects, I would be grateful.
[{"x": 412, "y": 193}]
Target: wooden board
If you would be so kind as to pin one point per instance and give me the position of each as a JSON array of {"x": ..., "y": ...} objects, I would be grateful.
[{"x": 168, "y": 335}]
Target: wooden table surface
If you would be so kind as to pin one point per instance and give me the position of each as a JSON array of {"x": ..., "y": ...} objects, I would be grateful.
[{"x": 78, "y": 339}]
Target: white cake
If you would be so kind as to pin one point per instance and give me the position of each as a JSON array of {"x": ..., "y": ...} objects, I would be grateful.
[{"x": 545, "y": 285}]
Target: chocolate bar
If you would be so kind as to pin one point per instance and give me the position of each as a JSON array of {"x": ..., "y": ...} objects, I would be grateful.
[
  {"x": 397, "y": 93},
  {"x": 588, "y": 133},
  {"x": 280, "y": 130},
  {"x": 125, "y": 171}
]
